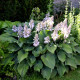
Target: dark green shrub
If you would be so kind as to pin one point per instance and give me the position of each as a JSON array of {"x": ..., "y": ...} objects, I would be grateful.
[{"x": 20, "y": 10}]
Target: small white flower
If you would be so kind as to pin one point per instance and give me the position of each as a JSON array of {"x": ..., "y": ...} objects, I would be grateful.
[{"x": 46, "y": 39}]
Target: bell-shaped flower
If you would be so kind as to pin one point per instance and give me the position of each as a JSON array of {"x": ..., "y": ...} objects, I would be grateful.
[{"x": 46, "y": 39}]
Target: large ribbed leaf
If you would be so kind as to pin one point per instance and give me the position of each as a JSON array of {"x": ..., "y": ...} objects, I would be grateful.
[
  {"x": 22, "y": 68},
  {"x": 49, "y": 60},
  {"x": 46, "y": 73},
  {"x": 61, "y": 56},
  {"x": 61, "y": 69},
  {"x": 22, "y": 55},
  {"x": 52, "y": 48},
  {"x": 38, "y": 66}
]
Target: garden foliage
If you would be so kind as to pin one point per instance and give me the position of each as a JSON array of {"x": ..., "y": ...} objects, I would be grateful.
[{"x": 40, "y": 46}]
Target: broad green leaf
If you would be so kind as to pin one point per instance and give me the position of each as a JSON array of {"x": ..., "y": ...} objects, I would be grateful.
[
  {"x": 52, "y": 48},
  {"x": 77, "y": 49},
  {"x": 31, "y": 60},
  {"x": 13, "y": 47},
  {"x": 49, "y": 60},
  {"x": 37, "y": 51},
  {"x": 28, "y": 48},
  {"x": 41, "y": 36},
  {"x": 22, "y": 55},
  {"x": 38, "y": 66},
  {"x": 67, "y": 48},
  {"x": 6, "y": 37},
  {"x": 77, "y": 57},
  {"x": 46, "y": 72},
  {"x": 54, "y": 73},
  {"x": 61, "y": 56},
  {"x": 71, "y": 62},
  {"x": 22, "y": 68},
  {"x": 61, "y": 69}
]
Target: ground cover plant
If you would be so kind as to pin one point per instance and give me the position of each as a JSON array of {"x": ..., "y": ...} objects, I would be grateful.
[{"x": 40, "y": 46}]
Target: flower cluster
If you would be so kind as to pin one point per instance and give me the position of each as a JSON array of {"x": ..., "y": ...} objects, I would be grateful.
[{"x": 46, "y": 24}]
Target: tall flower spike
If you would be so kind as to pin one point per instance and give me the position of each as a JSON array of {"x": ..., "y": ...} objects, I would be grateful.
[
  {"x": 14, "y": 28},
  {"x": 39, "y": 27},
  {"x": 36, "y": 40},
  {"x": 31, "y": 23},
  {"x": 26, "y": 32},
  {"x": 46, "y": 39},
  {"x": 20, "y": 31},
  {"x": 54, "y": 35}
]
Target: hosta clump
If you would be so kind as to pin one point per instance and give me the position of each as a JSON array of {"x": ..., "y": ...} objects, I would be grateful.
[{"x": 42, "y": 47}]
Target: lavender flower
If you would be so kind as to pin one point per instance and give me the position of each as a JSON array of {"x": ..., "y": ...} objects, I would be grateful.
[
  {"x": 14, "y": 28},
  {"x": 31, "y": 24},
  {"x": 50, "y": 23},
  {"x": 26, "y": 32},
  {"x": 54, "y": 35},
  {"x": 36, "y": 40},
  {"x": 20, "y": 31},
  {"x": 47, "y": 39},
  {"x": 47, "y": 17}
]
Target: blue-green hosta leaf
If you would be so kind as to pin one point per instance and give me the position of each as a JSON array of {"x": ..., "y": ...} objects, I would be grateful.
[
  {"x": 67, "y": 48},
  {"x": 61, "y": 56},
  {"x": 22, "y": 55},
  {"x": 22, "y": 68},
  {"x": 13, "y": 47},
  {"x": 61, "y": 69},
  {"x": 38, "y": 66},
  {"x": 71, "y": 62},
  {"x": 52, "y": 48},
  {"x": 49, "y": 60},
  {"x": 46, "y": 72}
]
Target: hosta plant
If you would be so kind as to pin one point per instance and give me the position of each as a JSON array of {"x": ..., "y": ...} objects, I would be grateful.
[{"x": 42, "y": 47}]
